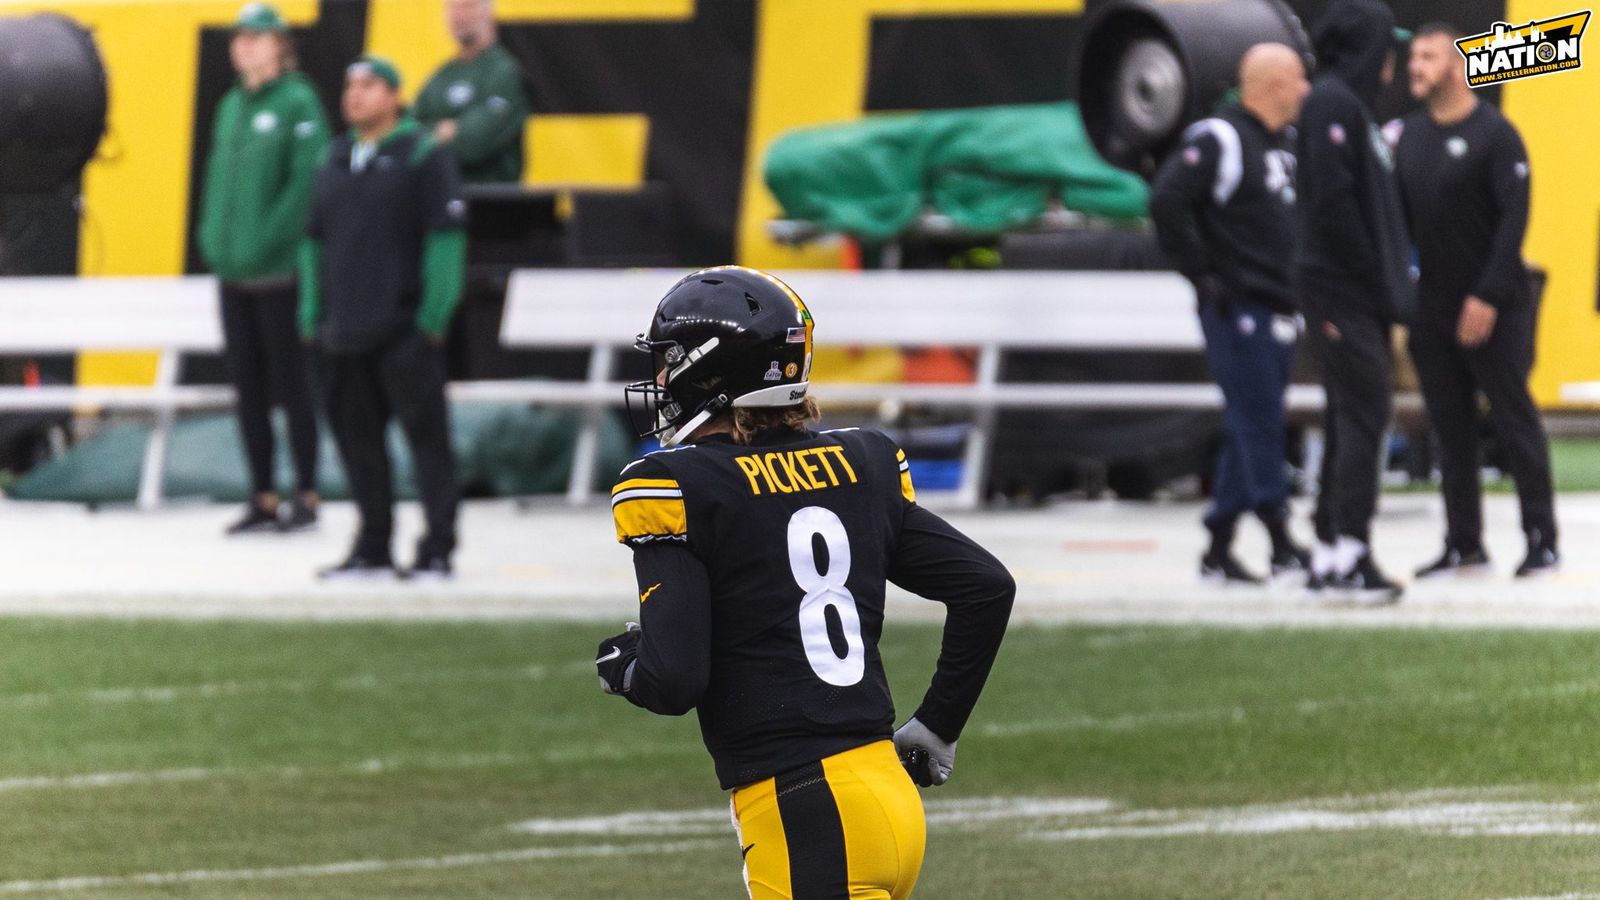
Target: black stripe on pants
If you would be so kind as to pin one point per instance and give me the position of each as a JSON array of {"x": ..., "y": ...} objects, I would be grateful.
[
  {"x": 268, "y": 363},
  {"x": 818, "y": 868}
]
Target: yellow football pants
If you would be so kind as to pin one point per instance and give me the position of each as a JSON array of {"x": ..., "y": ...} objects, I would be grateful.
[{"x": 850, "y": 826}]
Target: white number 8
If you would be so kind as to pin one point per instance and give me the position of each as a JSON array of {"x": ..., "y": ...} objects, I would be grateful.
[{"x": 825, "y": 589}]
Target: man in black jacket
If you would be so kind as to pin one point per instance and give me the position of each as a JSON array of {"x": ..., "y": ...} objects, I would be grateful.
[
  {"x": 380, "y": 277},
  {"x": 1464, "y": 177},
  {"x": 1223, "y": 207},
  {"x": 1351, "y": 275}
]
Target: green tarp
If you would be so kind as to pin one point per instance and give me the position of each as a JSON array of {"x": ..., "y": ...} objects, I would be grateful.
[
  {"x": 987, "y": 169},
  {"x": 503, "y": 450}
]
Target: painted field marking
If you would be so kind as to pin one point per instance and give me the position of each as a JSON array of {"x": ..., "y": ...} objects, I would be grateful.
[
  {"x": 1468, "y": 812},
  {"x": 714, "y": 820},
  {"x": 1240, "y": 714},
  {"x": 1446, "y": 819},
  {"x": 225, "y": 689},
  {"x": 371, "y": 766},
  {"x": 348, "y": 867}
]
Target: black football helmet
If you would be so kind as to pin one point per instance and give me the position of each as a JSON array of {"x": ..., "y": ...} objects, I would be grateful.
[{"x": 721, "y": 337}]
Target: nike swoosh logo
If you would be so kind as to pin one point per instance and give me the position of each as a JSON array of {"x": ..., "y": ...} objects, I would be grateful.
[
  {"x": 746, "y": 851},
  {"x": 614, "y": 654},
  {"x": 646, "y": 595}
]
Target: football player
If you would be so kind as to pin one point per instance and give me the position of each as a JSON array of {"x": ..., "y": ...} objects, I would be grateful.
[{"x": 762, "y": 549}]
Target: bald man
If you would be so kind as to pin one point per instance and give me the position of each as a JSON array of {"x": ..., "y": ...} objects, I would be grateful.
[{"x": 1223, "y": 207}]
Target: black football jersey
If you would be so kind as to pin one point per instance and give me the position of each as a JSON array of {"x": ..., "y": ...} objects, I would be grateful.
[{"x": 797, "y": 533}]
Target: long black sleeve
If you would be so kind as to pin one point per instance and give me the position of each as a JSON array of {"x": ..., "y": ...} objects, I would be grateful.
[
  {"x": 936, "y": 561},
  {"x": 1181, "y": 185},
  {"x": 675, "y": 629},
  {"x": 1334, "y": 231},
  {"x": 1503, "y": 273}
]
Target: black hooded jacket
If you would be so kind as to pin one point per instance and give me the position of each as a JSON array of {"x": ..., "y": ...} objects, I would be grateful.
[{"x": 1352, "y": 251}]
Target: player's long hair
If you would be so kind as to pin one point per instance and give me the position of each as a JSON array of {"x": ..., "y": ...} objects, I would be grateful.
[{"x": 751, "y": 421}]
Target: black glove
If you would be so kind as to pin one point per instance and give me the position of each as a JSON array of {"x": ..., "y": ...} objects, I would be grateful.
[{"x": 616, "y": 658}]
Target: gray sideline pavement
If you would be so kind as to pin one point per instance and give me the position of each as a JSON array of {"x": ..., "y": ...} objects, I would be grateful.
[{"x": 1075, "y": 561}]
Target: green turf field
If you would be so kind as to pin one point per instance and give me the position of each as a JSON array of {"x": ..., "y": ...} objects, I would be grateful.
[{"x": 159, "y": 759}]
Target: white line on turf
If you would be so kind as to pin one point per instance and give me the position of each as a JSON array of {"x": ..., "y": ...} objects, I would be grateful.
[
  {"x": 349, "y": 867},
  {"x": 374, "y": 766},
  {"x": 1447, "y": 819},
  {"x": 1240, "y": 714},
  {"x": 714, "y": 820},
  {"x": 101, "y": 779},
  {"x": 223, "y": 689},
  {"x": 1468, "y": 812}
]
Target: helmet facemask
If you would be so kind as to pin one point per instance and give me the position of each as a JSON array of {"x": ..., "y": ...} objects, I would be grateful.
[{"x": 652, "y": 408}]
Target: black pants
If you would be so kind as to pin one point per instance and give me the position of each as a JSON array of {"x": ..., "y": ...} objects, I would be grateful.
[
  {"x": 269, "y": 365},
  {"x": 1352, "y": 349},
  {"x": 1451, "y": 377},
  {"x": 402, "y": 380}
]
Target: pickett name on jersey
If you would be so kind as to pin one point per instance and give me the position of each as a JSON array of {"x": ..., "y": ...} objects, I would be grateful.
[{"x": 791, "y": 471}]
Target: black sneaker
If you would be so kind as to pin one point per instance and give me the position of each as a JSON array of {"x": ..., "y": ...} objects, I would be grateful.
[
  {"x": 1291, "y": 563},
  {"x": 301, "y": 516},
  {"x": 1225, "y": 570},
  {"x": 431, "y": 568},
  {"x": 359, "y": 568},
  {"x": 255, "y": 521},
  {"x": 1542, "y": 559},
  {"x": 1364, "y": 583},
  {"x": 1456, "y": 562}
]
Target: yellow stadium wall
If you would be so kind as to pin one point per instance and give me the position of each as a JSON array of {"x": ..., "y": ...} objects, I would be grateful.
[{"x": 810, "y": 67}]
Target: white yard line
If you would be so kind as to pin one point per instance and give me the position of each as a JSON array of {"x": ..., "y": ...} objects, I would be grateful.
[
  {"x": 1468, "y": 812},
  {"x": 1498, "y": 811},
  {"x": 714, "y": 820},
  {"x": 1447, "y": 819},
  {"x": 1240, "y": 714},
  {"x": 156, "y": 694},
  {"x": 350, "y": 867},
  {"x": 102, "y": 779},
  {"x": 373, "y": 766}
]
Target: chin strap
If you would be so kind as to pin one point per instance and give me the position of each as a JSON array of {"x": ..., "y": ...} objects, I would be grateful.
[{"x": 678, "y": 435}]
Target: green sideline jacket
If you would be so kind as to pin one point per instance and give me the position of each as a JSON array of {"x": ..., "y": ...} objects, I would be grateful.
[
  {"x": 486, "y": 98},
  {"x": 265, "y": 146}
]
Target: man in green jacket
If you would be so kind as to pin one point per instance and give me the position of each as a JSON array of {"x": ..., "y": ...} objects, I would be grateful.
[
  {"x": 380, "y": 276},
  {"x": 269, "y": 133},
  {"x": 476, "y": 102}
]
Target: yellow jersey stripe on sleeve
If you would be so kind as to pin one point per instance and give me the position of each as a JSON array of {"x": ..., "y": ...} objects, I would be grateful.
[
  {"x": 906, "y": 488},
  {"x": 643, "y": 518}
]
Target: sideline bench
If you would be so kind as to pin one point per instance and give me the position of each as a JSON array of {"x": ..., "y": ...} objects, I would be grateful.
[
  {"x": 992, "y": 311},
  {"x": 170, "y": 316},
  {"x": 601, "y": 310}
]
